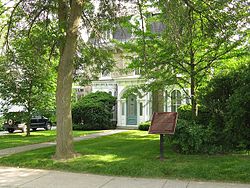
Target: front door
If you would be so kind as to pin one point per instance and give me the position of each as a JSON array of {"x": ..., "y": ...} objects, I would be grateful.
[{"x": 131, "y": 110}]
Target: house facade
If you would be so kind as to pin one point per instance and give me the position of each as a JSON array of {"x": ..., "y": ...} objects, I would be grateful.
[{"x": 133, "y": 109}]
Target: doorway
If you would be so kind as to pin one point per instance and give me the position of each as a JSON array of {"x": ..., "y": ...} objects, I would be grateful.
[{"x": 131, "y": 110}]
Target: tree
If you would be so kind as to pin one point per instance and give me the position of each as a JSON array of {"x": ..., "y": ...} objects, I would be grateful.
[
  {"x": 70, "y": 14},
  {"x": 27, "y": 77},
  {"x": 194, "y": 36},
  {"x": 67, "y": 14}
]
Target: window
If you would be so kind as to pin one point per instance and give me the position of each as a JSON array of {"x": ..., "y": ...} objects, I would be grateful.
[
  {"x": 175, "y": 100},
  {"x": 81, "y": 90},
  {"x": 105, "y": 73},
  {"x": 137, "y": 71},
  {"x": 157, "y": 27},
  {"x": 123, "y": 108},
  {"x": 187, "y": 99},
  {"x": 166, "y": 101},
  {"x": 121, "y": 34},
  {"x": 141, "y": 109}
]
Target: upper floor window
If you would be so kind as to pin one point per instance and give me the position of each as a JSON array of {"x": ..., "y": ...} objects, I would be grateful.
[
  {"x": 157, "y": 27},
  {"x": 81, "y": 90},
  {"x": 105, "y": 73},
  {"x": 122, "y": 34},
  {"x": 175, "y": 100},
  {"x": 137, "y": 71}
]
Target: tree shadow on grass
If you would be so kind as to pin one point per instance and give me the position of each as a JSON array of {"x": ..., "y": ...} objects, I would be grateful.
[{"x": 136, "y": 154}]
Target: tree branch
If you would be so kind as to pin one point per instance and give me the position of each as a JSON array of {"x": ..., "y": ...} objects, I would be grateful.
[
  {"x": 35, "y": 18},
  {"x": 10, "y": 23}
]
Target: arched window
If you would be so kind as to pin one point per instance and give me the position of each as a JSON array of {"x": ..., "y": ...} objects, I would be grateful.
[{"x": 175, "y": 100}]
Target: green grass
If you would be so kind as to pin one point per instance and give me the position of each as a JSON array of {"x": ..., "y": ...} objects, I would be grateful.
[
  {"x": 19, "y": 139},
  {"x": 135, "y": 154}
]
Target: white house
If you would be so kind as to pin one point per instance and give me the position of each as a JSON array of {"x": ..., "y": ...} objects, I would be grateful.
[{"x": 134, "y": 109}]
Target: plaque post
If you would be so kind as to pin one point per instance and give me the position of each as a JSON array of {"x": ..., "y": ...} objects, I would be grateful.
[{"x": 161, "y": 146}]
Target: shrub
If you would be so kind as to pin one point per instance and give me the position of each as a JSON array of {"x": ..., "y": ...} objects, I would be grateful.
[
  {"x": 93, "y": 112},
  {"x": 227, "y": 99},
  {"x": 193, "y": 138},
  {"x": 185, "y": 112},
  {"x": 188, "y": 137},
  {"x": 144, "y": 126},
  {"x": 237, "y": 113},
  {"x": 223, "y": 121}
]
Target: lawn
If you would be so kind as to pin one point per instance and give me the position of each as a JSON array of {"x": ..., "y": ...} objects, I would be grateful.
[
  {"x": 135, "y": 154},
  {"x": 19, "y": 139}
]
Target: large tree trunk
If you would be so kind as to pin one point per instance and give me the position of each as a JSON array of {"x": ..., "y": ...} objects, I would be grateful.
[
  {"x": 157, "y": 101},
  {"x": 64, "y": 139}
]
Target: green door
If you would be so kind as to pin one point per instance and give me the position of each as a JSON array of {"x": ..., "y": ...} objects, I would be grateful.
[{"x": 131, "y": 110}]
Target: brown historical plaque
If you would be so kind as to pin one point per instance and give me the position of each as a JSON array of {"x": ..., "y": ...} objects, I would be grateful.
[{"x": 163, "y": 123}]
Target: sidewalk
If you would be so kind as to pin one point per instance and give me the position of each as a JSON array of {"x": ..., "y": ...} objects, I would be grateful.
[
  {"x": 31, "y": 178},
  {"x": 10, "y": 151}
]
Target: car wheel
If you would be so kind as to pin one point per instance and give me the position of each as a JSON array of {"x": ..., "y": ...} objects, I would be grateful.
[
  {"x": 33, "y": 129},
  {"x": 10, "y": 130},
  {"x": 10, "y": 122},
  {"x": 48, "y": 126}
]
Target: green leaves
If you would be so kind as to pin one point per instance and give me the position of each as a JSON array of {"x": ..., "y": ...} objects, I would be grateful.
[
  {"x": 197, "y": 35},
  {"x": 28, "y": 76},
  {"x": 94, "y": 111}
]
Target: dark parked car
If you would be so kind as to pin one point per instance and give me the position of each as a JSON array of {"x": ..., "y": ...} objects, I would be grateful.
[
  {"x": 40, "y": 122},
  {"x": 36, "y": 122}
]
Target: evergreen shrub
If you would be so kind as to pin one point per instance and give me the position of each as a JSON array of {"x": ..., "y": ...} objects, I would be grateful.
[
  {"x": 223, "y": 121},
  {"x": 144, "y": 126},
  {"x": 93, "y": 112}
]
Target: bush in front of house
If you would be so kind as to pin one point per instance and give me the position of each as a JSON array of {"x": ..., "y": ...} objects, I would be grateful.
[
  {"x": 93, "y": 112},
  {"x": 223, "y": 121},
  {"x": 190, "y": 136},
  {"x": 144, "y": 126},
  {"x": 193, "y": 138},
  {"x": 228, "y": 98}
]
